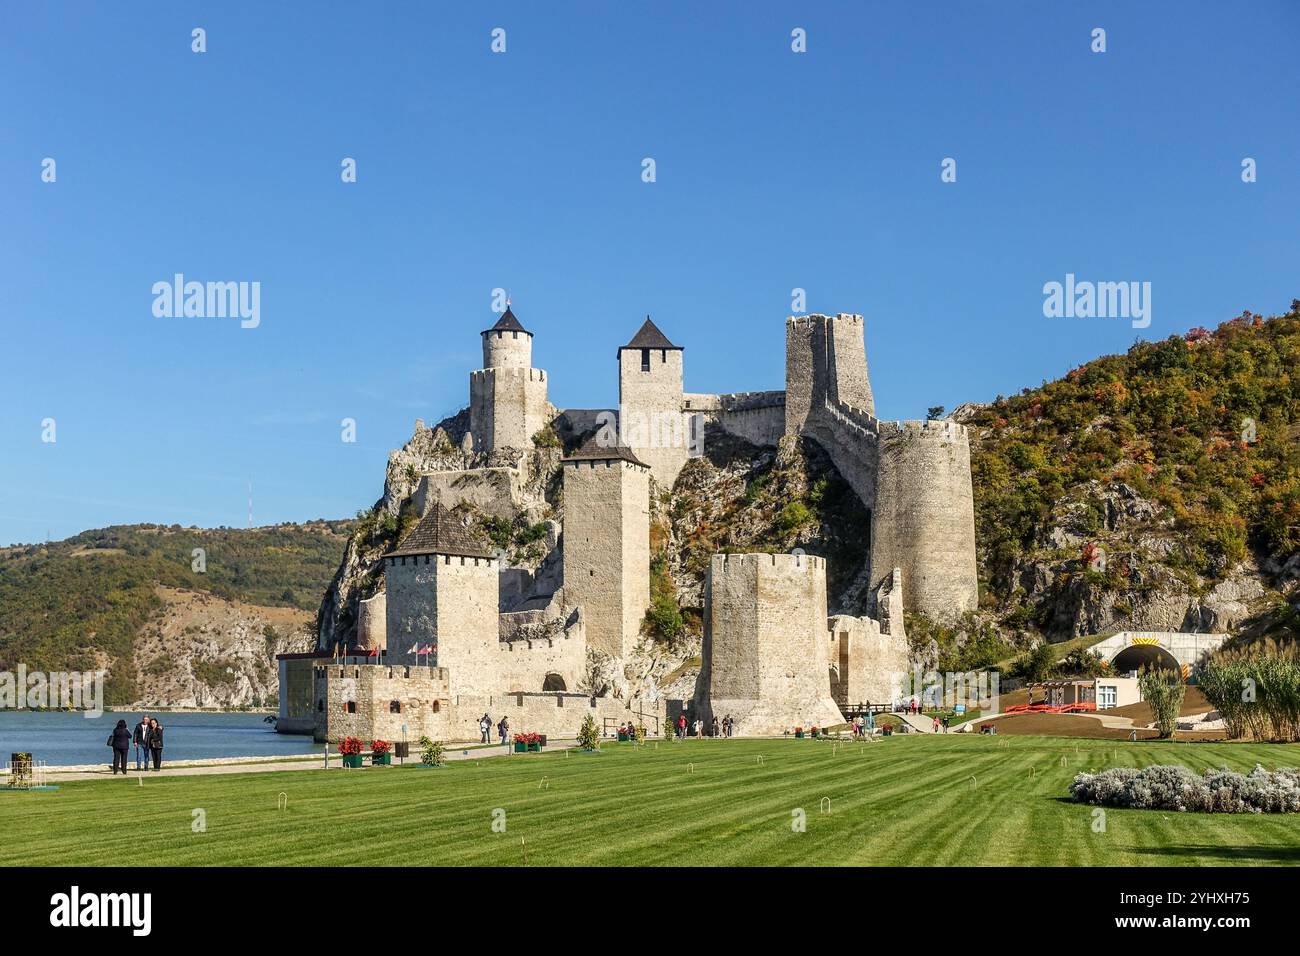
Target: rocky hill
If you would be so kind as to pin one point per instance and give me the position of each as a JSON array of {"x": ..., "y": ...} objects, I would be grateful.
[
  {"x": 170, "y": 625},
  {"x": 1159, "y": 489}
]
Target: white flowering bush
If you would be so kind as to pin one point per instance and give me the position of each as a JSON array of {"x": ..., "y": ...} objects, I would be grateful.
[{"x": 1174, "y": 787}]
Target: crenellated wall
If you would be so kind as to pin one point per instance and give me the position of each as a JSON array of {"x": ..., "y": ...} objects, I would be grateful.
[
  {"x": 507, "y": 407},
  {"x": 765, "y": 657},
  {"x": 450, "y": 602}
]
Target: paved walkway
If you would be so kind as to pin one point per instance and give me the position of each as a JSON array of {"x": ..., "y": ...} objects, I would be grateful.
[{"x": 192, "y": 768}]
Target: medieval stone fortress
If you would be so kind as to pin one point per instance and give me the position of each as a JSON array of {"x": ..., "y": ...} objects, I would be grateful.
[{"x": 454, "y": 632}]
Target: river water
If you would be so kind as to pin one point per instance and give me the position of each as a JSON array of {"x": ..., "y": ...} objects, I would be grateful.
[{"x": 63, "y": 738}]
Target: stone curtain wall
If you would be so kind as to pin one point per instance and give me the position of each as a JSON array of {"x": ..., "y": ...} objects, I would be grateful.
[
  {"x": 765, "y": 652},
  {"x": 924, "y": 517},
  {"x": 534, "y": 646},
  {"x": 607, "y": 549},
  {"x": 757, "y": 417},
  {"x": 866, "y": 661},
  {"x": 428, "y": 708}
]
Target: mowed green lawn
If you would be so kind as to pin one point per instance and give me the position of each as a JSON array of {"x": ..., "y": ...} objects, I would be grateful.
[{"x": 904, "y": 800}]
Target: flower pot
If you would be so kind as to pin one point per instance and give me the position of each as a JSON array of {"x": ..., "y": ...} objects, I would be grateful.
[
  {"x": 799, "y": 733},
  {"x": 521, "y": 747},
  {"x": 623, "y": 738},
  {"x": 352, "y": 760},
  {"x": 381, "y": 760},
  {"x": 534, "y": 748}
]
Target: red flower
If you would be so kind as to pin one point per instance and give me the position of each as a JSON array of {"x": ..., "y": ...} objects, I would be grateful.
[
  {"x": 350, "y": 745},
  {"x": 379, "y": 746}
]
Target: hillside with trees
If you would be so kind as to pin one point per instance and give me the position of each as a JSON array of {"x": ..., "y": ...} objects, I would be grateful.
[{"x": 85, "y": 602}]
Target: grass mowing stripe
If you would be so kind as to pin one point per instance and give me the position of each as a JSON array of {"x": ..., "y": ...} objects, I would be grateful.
[{"x": 900, "y": 801}]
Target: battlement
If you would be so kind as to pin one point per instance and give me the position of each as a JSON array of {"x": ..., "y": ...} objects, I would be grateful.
[
  {"x": 817, "y": 318},
  {"x": 723, "y": 563},
  {"x": 936, "y": 429},
  {"x": 506, "y": 374}
]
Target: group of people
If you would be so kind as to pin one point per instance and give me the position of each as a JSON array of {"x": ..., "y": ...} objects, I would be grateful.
[
  {"x": 147, "y": 739},
  {"x": 863, "y": 726},
  {"x": 485, "y": 730},
  {"x": 723, "y": 728}
]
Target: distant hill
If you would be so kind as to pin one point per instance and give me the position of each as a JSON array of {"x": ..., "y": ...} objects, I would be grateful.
[{"x": 87, "y": 602}]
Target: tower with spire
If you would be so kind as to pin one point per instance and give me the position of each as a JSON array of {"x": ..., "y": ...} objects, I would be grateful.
[
  {"x": 650, "y": 401},
  {"x": 507, "y": 396}
]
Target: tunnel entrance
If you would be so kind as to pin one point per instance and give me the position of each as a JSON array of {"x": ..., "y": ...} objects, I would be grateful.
[{"x": 1139, "y": 657}]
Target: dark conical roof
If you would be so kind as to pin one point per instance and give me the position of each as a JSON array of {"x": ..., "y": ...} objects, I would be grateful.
[
  {"x": 508, "y": 323},
  {"x": 593, "y": 450},
  {"x": 440, "y": 532},
  {"x": 649, "y": 337}
]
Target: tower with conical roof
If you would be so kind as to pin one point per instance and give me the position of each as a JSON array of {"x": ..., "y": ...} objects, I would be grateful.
[
  {"x": 507, "y": 397},
  {"x": 443, "y": 586},
  {"x": 650, "y": 389}
]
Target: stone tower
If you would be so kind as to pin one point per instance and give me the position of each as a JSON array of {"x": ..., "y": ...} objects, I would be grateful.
[
  {"x": 607, "y": 543},
  {"x": 650, "y": 402},
  {"x": 507, "y": 397},
  {"x": 442, "y": 592},
  {"x": 924, "y": 517},
  {"x": 825, "y": 360},
  {"x": 766, "y": 656}
]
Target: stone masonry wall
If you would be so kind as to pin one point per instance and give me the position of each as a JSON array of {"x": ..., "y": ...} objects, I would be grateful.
[
  {"x": 372, "y": 701},
  {"x": 507, "y": 407},
  {"x": 372, "y": 622},
  {"x": 450, "y": 602},
  {"x": 655, "y": 397},
  {"x": 607, "y": 550},
  {"x": 765, "y": 653},
  {"x": 924, "y": 517}
]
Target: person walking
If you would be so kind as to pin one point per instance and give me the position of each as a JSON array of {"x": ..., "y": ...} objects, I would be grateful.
[
  {"x": 935, "y": 727},
  {"x": 946, "y": 718},
  {"x": 485, "y": 729},
  {"x": 714, "y": 730},
  {"x": 156, "y": 742},
  {"x": 503, "y": 729},
  {"x": 141, "y": 740},
  {"x": 120, "y": 741},
  {"x": 681, "y": 726}
]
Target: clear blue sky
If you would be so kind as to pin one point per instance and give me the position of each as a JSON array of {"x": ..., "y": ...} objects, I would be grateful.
[{"x": 523, "y": 170}]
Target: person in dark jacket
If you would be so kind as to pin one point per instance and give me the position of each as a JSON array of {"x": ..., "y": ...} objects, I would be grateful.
[
  {"x": 141, "y": 740},
  {"x": 156, "y": 742},
  {"x": 120, "y": 741}
]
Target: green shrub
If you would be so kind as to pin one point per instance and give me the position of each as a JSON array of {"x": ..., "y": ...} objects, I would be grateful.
[{"x": 432, "y": 752}]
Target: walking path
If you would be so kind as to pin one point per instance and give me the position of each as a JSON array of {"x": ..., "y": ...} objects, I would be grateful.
[{"x": 188, "y": 768}]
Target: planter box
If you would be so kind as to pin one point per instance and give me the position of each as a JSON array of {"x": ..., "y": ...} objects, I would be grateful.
[
  {"x": 381, "y": 760},
  {"x": 352, "y": 760},
  {"x": 623, "y": 737},
  {"x": 534, "y": 748},
  {"x": 799, "y": 734},
  {"x": 521, "y": 747}
]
